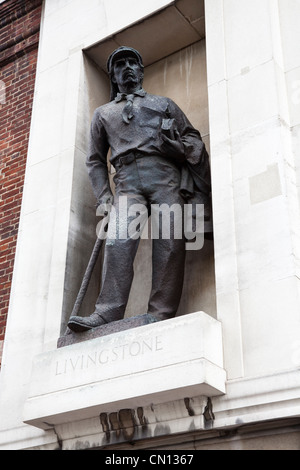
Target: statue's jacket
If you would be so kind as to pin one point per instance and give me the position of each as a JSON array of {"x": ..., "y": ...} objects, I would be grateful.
[{"x": 142, "y": 136}]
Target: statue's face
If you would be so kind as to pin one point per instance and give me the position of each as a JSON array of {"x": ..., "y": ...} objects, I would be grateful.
[{"x": 127, "y": 73}]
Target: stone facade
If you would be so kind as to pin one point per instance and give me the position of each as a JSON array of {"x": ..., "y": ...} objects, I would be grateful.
[{"x": 223, "y": 374}]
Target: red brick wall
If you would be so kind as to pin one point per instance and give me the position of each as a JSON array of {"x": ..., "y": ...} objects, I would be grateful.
[{"x": 19, "y": 36}]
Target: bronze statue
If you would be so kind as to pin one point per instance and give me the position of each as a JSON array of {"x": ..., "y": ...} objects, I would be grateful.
[{"x": 159, "y": 158}]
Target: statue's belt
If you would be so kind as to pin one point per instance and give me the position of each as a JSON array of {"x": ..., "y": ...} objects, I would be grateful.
[
  {"x": 126, "y": 160},
  {"x": 131, "y": 157}
]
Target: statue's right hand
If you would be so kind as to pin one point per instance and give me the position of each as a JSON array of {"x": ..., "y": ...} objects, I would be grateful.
[{"x": 104, "y": 205}]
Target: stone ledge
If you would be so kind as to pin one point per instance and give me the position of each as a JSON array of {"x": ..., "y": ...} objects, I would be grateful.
[
  {"x": 150, "y": 364},
  {"x": 104, "y": 330},
  {"x": 259, "y": 399}
]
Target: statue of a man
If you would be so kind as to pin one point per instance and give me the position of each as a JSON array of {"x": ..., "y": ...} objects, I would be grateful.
[{"x": 152, "y": 145}]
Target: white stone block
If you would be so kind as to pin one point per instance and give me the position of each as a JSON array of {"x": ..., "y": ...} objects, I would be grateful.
[
  {"x": 214, "y": 22},
  {"x": 68, "y": 28},
  {"x": 255, "y": 149},
  {"x": 252, "y": 97},
  {"x": 156, "y": 363},
  {"x": 248, "y": 38},
  {"x": 230, "y": 316},
  {"x": 259, "y": 398},
  {"x": 270, "y": 326},
  {"x": 219, "y": 118},
  {"x": 293, "y": 95},
  {"x": 47, "y": 127},
  {"x": 289, "y": 14},
  {"x": 121, "y": 14}
]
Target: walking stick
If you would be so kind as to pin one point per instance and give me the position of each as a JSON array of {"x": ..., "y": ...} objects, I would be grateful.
[{"x": 89, "y": 270}]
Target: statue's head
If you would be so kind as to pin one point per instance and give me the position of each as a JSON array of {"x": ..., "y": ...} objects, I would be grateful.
[{"x": 121, "y": 53}]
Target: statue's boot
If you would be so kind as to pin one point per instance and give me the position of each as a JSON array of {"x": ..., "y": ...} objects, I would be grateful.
[{"x": 79, "y": 324}]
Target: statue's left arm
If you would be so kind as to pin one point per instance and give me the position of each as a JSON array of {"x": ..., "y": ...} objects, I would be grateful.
[{"x": 188, "y": 147}]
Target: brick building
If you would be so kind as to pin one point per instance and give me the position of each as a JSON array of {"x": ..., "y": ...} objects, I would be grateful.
[{"x": 19, "y": 38}]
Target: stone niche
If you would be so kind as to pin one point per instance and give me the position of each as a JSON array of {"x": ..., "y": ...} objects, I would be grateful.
[
  {"x": 164, "y": 373},
  {"x": 175, "y": 66}
]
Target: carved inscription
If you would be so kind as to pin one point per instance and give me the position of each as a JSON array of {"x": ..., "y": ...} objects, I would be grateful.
[{"x": 108, "y": 355}]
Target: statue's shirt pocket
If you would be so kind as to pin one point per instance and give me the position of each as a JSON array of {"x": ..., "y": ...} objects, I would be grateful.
[{"x": 151, "y": 117}]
